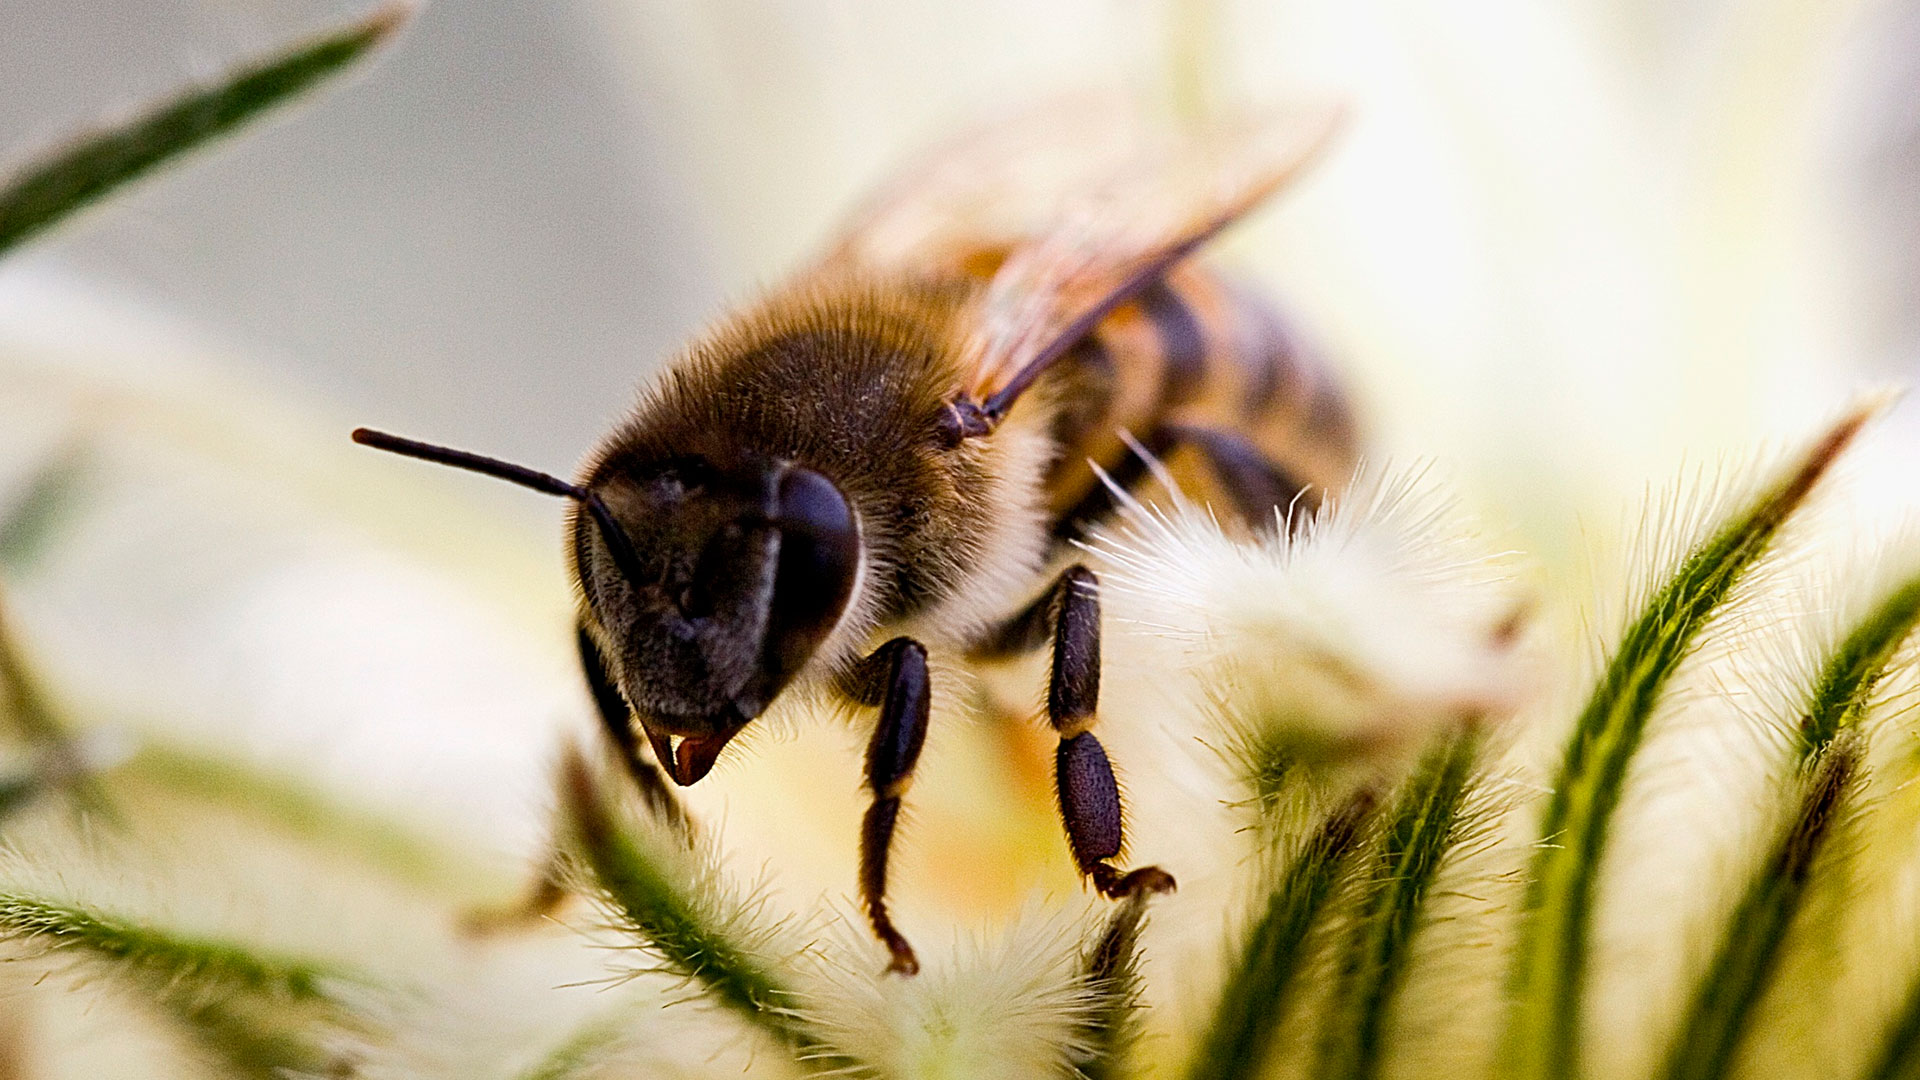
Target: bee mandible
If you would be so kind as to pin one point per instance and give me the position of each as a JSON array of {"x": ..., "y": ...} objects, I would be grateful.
[{"x": 895, "y": 450}]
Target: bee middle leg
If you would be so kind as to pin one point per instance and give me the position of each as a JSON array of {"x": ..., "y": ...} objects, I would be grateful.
[
  {"x": 1083, "y": 777},
  {"x": 894, "y": 677}
]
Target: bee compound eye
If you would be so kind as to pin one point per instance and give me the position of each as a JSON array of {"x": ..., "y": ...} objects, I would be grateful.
[
  {"x": 819, "y": 559},
  {"x": 810, "y": 504}
]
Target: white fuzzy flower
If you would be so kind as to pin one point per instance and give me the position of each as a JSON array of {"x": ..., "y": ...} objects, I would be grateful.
[{"x": 1379, "y": 619}]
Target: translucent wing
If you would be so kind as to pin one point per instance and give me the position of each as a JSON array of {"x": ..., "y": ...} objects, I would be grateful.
[
  {"x": 989, "y": 187},
  {"x": 1073, "y": 210}
]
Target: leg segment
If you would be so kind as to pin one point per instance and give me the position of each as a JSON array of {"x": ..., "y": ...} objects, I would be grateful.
[
  {"x": 547, "y": 892},
  {"x": 894, "y": 678},
  {"x": 1083, "y": 778},
  {"x": 1255, "y": 483},
  {"x": 1252, "y": 480},
  {"x": 617, "y": 720}
]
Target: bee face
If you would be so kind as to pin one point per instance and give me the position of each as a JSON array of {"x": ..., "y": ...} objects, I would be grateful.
[{"x": 741, "y": 569}]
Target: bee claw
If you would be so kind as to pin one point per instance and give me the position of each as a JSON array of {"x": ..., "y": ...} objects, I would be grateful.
[
  {"x": 904, "y": 963},
  {"x": 1150, "y": 880}
]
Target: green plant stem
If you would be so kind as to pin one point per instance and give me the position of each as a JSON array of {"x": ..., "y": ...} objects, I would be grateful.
[
  {"x": 1111, "y": 970},
  {"x": 1855, "y": 668},
  {"x": 26, "y": 707},
  {"x": 252, "y": 1042},
  {"x": 1709, "y": 1038},
  {"x": 1422, "y": 828},
  {"x": 298, "y": 811},
  {"x": 1899, "y": 1056},
  {"x": 45, "y": 503},
  {"x": 1549, "y": 971},
  {"x": 195, "y": 965},
  {"x": 1723, "y": 1005},
  {"x": 1254, "y": 998},
  {"x": 261, "y": 1015},
  {"x": 653, "y": 898},
  {"x": 18, "y": 788},
  {"x": 583, "y": 1052},
  {"x": 69, "y": 178}
]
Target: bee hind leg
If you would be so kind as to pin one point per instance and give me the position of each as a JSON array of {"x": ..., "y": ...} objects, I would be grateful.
[
  {"x": 1264, "y": 493},
  {"x": 895, "y": 678},
  {"x": 1083, "y": 778}
]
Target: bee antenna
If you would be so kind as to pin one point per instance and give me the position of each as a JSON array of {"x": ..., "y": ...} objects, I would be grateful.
[{"x": 618, "y": 544}]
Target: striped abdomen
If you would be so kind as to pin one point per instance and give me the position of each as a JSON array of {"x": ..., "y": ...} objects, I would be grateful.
[{"x": 1194, "y": 351}]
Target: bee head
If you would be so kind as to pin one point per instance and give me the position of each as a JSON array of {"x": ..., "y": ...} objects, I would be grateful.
[
  {"x": 732, "y": 577},
  {"x": 710, "y": 586}
]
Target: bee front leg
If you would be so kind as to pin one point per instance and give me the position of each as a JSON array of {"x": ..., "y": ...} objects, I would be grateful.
[
  {"x": 1083, "y": 778},
  {"x": 894, "y": 678},
  {"x": 547, "y": 892},
  {"x": 617, "y": 720}
]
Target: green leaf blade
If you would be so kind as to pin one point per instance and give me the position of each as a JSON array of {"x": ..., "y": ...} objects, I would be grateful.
[{"x": 89, "y": 167}]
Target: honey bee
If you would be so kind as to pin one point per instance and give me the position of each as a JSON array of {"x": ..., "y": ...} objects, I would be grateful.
[{"x": 895, "y": 450}]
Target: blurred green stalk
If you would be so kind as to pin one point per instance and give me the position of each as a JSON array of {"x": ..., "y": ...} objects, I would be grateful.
[{"x": 66, "y": 179}]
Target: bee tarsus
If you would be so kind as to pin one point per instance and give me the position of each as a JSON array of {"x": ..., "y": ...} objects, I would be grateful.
[{"x": 893, "y": 677}]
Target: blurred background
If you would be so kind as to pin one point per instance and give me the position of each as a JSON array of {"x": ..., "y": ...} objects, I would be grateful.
[{"x": 1561, "y": 249}]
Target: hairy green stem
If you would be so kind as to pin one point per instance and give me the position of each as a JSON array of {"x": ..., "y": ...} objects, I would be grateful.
[
  {"x": 1709, "y": 1038},
  {"x": 259, "y": 1014},
  {"x": 1723, "y": 1005},
  {"x": 297, "y": 810},
  {"x": 1851, "y": 673},
  {"x": 585, "y": 1051},
  {"x": 27, "y": 709},
  {"x": 1421, "y": 830},
  {"x": 69, "y": 178},
  {"x": 653, "y": 897},
  {"x": 1111, "y": 970},
  {"x": 45, "y": 502},
  {"x": 1255, "y": 993},
  {"x": 1549, "y": 969},
  {"x": 1899, "y": 1056},
  {"x": 194, "y": 965}
]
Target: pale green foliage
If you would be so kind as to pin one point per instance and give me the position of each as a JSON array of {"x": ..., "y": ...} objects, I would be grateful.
[{"x": 256, "y": 1014}]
